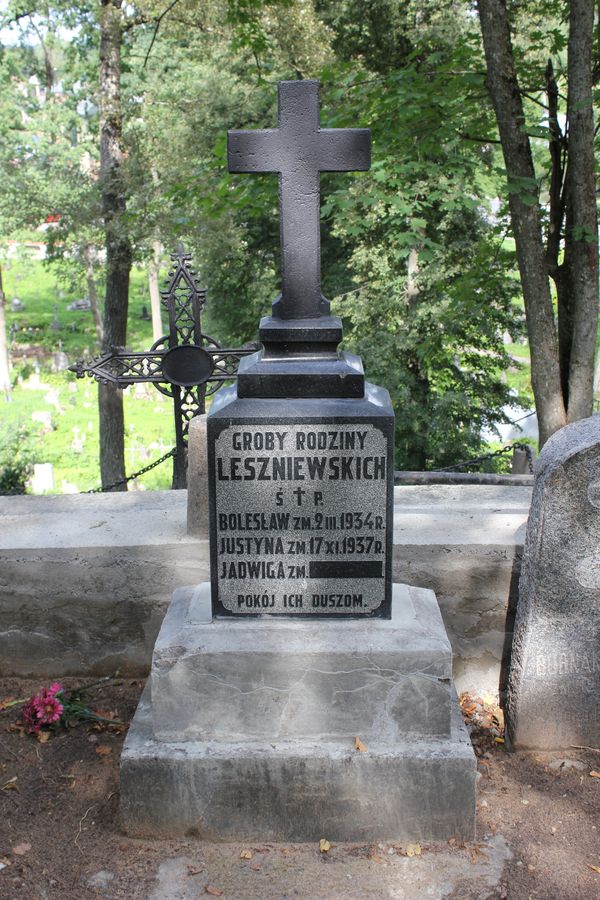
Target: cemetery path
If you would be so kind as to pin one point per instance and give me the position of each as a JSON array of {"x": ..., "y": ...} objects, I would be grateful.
[{"x": 60, "y": 839}]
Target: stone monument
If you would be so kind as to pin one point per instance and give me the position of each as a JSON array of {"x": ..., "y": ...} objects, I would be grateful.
[
  {"x": 553, "y": 697},
  {"x": 300, "y": 694}
]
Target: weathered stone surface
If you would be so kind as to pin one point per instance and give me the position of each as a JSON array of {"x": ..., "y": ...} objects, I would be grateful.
[
  {"x": 465, "y": 543},
  {"x": 554, "y": 686},
  {"x": 197, "y": 477},
  {"x": 267, "y": 679},
  {"x": 85, "y": 580},
  {"x": 297, "y": 790}
]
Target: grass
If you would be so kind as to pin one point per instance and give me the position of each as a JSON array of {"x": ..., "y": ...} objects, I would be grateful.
[
  {"x": 38, "y": 288},
  {"x": 69, "y": 437},
  {"x": 71, "y": 441}
]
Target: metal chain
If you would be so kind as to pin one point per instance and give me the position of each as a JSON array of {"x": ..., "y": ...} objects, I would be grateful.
[
  {"x": 157, "y": 462},
  {"x": 469, "y": 462},
  {"x": 507, "y": 449}
]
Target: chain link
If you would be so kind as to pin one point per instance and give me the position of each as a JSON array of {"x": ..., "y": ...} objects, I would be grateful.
[
  {"x": 153, "y": 465},
  {"x": 507, "y": 449}
]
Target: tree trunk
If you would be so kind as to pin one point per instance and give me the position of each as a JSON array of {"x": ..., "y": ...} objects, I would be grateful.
[
  {"x": 92, "y": 292},
  {"x": 4, "y": 359},
  {"x": 581, "y": 237},
  {"x": 118, "y": 248},
  {"x": 503, "y": 86},
  {"x": 153, "y": 273}
]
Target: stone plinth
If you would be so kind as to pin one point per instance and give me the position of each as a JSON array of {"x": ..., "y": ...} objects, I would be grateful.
[
  {"x": 197, "y": 477},
  {"x": 260, "y": 719},
  {"x": 233, "y": 680}
]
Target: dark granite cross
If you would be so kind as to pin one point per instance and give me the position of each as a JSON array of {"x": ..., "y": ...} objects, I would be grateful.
[{"x": 299, "y": 150}]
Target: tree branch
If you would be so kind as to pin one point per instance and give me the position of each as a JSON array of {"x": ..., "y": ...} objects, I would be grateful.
[
  {"x": 157, "y": 26},
  {"x": 478, "y": 140}
]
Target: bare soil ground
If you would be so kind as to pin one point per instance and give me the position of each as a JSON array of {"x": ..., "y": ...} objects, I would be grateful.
[{"x": 60, "y": 838}]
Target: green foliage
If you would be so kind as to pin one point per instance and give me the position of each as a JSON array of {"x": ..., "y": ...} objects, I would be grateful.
[
  {"x": 16, "y": 449},
  {"x": 413, "y": 260}
]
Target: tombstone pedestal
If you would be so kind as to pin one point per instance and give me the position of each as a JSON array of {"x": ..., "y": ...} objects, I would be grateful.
[
  {"x": 247, "y": 729},
  {"x": 301, "y": 694}
]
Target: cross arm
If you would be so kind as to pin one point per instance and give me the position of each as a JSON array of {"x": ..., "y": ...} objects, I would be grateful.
[
  {"x": 253, "y": 151},
  {"x": 344, "y": 149},
  {"x": 122, "y": 369}
]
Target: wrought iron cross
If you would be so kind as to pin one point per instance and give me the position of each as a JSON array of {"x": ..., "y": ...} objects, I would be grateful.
[
  {"x": 186, "y": 364},
  {"x": 299, "y": 150}
]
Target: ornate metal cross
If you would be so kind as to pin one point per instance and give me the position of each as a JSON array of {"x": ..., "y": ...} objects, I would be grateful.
[
  {"x": 185, "y": 364},
  {"x": 299, "y": 150}
]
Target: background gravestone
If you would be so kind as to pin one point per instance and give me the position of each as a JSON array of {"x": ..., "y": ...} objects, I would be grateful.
[{"x": 554, "y": 683}]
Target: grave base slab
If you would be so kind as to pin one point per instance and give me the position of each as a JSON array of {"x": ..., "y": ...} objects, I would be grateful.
[
  {"x": 294, "y": 791},
  {"x": 415, "y": 787}
]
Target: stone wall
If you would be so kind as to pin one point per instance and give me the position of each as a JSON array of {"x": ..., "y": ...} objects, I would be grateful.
[{"x": 85, "y": 579}]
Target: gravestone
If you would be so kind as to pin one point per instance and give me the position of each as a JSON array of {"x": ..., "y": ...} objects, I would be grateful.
[
  {"x": 554, "y": 681},
  {"x": 60, "y": 361},
  {"x": 81, "y": 304},
  {"x": 42, "y": 480},
  {"x": 300, "y": 693}
]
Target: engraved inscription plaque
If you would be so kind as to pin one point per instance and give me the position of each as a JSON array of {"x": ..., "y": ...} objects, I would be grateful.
[{"x": 300, "y": 519}]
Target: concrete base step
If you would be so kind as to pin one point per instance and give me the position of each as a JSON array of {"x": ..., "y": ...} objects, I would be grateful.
[{"x": 297, "y": 791}]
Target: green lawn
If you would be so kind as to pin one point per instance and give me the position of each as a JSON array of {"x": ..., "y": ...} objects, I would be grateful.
[
  {"x": 39, "y": 289},
  {"x": 71, "y": 442}
]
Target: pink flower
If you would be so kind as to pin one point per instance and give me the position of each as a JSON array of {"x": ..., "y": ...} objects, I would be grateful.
[
  {"x": 30, "y": 717},
  {"x": 48, "y": 709},
  {"x": 55, "y": 688}
]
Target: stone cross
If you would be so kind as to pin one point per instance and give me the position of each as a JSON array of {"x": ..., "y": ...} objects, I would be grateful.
[{"x": 299, "y": 150}]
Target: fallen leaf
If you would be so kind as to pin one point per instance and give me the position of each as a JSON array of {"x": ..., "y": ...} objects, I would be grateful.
[
  {"x": 21, "y": 849},
  {"x": 103, "y": 750},
  {"x": 11, "y": 784},
  {"x": 246, "y": 854},
  {"x": 358, "y": 745},
  {"x": 324, "y": 845},
  {"x": 478, "y": 850},
  {"x": 43, "y": 737},
  {"x": 105, "y": 713},
  {"x": 594, "y": 774},
  {"x": 499, "y": 740},
  {"x": 6, "y": 703},
  {"x": 594, "y": 868},
  {"x": 413, "y": 850},
  {"x": 213, "y": 891},
  {"x": 194, "y": 870}
]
